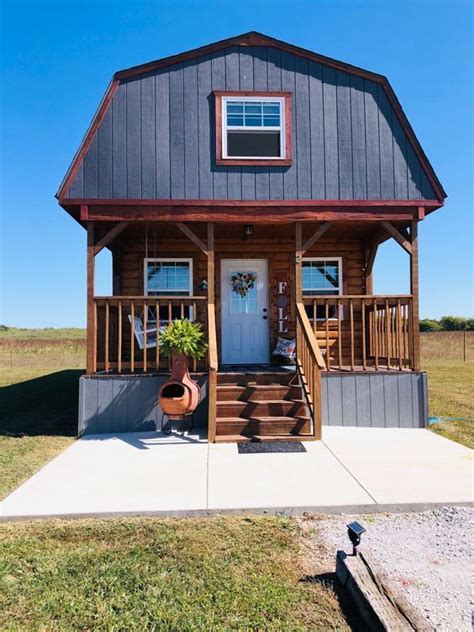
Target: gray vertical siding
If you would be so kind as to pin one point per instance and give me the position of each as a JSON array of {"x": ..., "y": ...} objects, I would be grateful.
[
  {"x": 127, "y": 404},
  {"x": 385, "y": 400},
  {"x": 157, "y": 140},
  {"x": 375, "y": 400}
]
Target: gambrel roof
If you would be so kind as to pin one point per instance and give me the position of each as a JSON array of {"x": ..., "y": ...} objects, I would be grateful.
[{"x": 389, "y": 164}]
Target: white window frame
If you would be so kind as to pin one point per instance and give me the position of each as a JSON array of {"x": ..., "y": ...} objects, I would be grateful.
[
  {"x": 247, "y": 128},
  {"x": 148, "y": 260},
  {"x": 341, "y": 282}
]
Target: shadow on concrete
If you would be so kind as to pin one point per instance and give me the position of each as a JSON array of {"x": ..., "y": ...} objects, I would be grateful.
[
  {"x": 45, "y": 405},
  {"x": 151, "y": 440}
]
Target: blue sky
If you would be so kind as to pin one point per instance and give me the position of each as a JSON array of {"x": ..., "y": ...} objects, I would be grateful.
[{"x": 58, "y": 57}]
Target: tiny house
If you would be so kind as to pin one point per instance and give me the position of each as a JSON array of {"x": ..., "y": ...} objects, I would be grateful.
[{"x": 247, "y": 185}]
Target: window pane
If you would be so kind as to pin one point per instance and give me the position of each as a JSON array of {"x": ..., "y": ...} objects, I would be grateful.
[
  {"x": 253, "y": 113},
  {"x": 320, "y": 277},
  {"x": 235, "y": 107},
  {"x": 168, "y": 277},
  {"x": 252, "y": 120},
  {"x": 235, "y": 120},
  {"x": 244, "y": 292},
  {"x": 271, "y": 121},
  {"x": 262, "y": 144},
  {"x": 271, "y": 108},
  {"x": 253, "y": 108}
]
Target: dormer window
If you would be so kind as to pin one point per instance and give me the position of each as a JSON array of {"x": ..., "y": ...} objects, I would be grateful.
[{"x": 253, "y": 128}]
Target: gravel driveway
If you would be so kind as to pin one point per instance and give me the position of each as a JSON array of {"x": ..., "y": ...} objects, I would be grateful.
[{"x": 427, "y": 555}]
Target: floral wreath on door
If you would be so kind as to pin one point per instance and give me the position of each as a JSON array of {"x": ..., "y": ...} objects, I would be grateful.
[{"x": 243, "y": 282}]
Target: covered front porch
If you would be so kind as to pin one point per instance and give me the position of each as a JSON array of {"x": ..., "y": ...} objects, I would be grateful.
[{"x": 346, "y": 330}]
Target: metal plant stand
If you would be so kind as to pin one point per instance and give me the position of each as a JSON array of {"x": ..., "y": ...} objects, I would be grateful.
[{"x": 188, "y": 418}]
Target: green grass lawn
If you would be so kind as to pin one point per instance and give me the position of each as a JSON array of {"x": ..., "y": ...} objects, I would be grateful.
[
  {"x": 171, "y": 574},
  {"x": 451, "y": 394},
  {"x": 49, "y": 333},
  {"x": 38, "y": 420}
]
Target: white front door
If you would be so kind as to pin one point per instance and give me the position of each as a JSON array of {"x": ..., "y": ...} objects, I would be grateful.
[{"x": 245, "y": 315}]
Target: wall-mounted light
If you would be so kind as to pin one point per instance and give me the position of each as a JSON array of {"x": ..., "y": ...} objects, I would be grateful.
[
  {"x": 248, "y": 231},
  {"x": 203, "y": 285}
]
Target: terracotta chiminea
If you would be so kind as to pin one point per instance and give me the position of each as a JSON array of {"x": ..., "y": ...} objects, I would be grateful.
[{"x": 179, "y": 396}]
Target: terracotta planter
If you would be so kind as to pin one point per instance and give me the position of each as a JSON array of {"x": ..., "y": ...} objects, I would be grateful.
[{"x": 179, "y": 395}]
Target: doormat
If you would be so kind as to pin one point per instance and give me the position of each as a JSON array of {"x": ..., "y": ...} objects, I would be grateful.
[{"x": 269, "y": 447}]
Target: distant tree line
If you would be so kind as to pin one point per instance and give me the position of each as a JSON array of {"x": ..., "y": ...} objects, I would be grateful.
[{"x": 447, "y": 323}]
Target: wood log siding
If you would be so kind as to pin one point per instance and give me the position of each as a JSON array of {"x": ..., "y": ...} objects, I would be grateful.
[
  {"x": 156, "y": 140},
  {"x": 279, "y": 252}
]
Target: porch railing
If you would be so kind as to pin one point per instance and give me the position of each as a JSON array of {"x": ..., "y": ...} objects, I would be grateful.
[
  {"x": 368, "y": 332},
  {"x": 123, "y": 324},
  {"x": 310, "y": 362}
]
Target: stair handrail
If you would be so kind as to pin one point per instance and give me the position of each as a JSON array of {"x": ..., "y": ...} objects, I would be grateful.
[
  {"x": 310, "y": 338},
  {"x": 309, "y": 363}
]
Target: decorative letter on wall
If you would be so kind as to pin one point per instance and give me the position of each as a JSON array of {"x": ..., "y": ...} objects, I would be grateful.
[{"x": 282, "y": 306}]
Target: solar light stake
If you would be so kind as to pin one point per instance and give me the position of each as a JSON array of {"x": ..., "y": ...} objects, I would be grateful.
[{"x": 355, "y": 531}]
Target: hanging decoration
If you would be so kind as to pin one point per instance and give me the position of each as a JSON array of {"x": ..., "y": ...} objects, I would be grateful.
[{"x": 243, "y": 282}]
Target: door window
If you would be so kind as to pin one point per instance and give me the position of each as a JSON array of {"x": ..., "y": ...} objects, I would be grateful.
[{"x": 243, "y": 292}]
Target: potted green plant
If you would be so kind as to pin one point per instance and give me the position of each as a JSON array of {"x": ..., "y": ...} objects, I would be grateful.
[
  {"x": 181, "y": 340},
  {"x": 183, "y": 337}
]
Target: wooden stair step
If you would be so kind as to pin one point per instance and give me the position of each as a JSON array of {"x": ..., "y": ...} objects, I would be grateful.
[
  {"x": 243, "y": 379},
  {"x": 275, "y": 391},
  {"x": 234, "y": 392},
  {"x": 279, "y": 417},
  {"x": 263, "y": 425},
  {"x": 236, "y": 438},
  {"x": 230, "y": 392},
  {"x": 274, "y": 407}
]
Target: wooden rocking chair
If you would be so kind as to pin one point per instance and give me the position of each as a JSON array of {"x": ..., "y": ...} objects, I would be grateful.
[{"x": 140, "y": 333}]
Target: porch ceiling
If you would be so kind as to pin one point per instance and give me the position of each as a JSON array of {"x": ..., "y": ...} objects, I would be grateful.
[{"x": 161, "y": 231}]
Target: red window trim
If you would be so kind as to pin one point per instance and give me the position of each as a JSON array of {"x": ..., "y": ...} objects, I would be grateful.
[{"x": 282, "y": 162}]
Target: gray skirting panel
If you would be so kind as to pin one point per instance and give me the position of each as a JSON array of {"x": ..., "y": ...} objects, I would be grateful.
[
  {"x": 127, "y": 403},
  {"x": 110, "y": 404},
  {"x": 377, "y": 400}
]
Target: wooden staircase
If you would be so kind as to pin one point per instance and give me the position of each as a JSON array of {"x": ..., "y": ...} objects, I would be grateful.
[{"x": 261, "y": 405}]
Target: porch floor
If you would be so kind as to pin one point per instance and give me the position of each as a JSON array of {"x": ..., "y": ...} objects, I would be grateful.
[
  {"x": 266, "y": 368},
  {"x": 351, "y": 470}
]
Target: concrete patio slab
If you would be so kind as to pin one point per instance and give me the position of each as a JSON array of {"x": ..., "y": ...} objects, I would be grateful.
[
  {"x": 405, "y": 465},
  {"x": 309, "y": 479},
  {"x": 124, "y": 473},
  {"x": 353, "y": 470}
]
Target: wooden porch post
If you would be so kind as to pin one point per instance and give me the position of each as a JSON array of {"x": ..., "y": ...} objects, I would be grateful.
[
  {"x": 298, "y": 262},
  {"x": 414, "y": 291},
  {"x": 211, "y": 316},
  {"x": 309, "y": 368},
  {"x": 370, "y": 254},
  {"x": 91, "y": 324}
]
